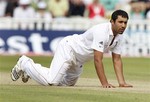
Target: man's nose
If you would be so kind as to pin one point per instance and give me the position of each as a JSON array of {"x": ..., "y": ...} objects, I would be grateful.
[{"x": 123, "y": 25}]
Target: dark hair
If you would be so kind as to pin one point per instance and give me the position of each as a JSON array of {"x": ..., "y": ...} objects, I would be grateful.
[{"x": 117, "y": 13}]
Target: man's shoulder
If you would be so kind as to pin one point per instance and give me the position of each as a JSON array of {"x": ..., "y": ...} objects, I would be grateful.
[{"x": 102, "y": 25}]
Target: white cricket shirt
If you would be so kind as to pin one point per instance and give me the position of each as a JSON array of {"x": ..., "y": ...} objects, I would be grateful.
[{"x": 97, "y": 38}]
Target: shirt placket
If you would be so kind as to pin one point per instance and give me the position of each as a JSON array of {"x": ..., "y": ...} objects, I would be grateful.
[{"x": 111, "y": 40}]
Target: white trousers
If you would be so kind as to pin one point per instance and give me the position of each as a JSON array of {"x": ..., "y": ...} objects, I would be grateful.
[{"x": 64, "y": 68}]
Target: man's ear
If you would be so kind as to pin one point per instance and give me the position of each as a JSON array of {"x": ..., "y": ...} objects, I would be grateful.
[{"x": 111, "y": 21}]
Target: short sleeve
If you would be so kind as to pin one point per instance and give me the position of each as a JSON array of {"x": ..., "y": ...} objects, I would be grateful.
[
  {"x": 117, "y": 48},
  {"x": 98, "y": 42}
]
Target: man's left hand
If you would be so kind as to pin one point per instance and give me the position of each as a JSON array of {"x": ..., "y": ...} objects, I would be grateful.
[{"x": 125, "y": 85}]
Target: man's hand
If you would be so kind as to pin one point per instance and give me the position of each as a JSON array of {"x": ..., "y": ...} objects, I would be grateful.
[
  {"x": 125, "y": 85},
  {"x": 108, "y": 86}
]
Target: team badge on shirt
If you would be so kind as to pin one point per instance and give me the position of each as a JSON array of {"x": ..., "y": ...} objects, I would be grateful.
[
  {"x": 116, "y": 43},
  {"x": 101, "y": 43}
]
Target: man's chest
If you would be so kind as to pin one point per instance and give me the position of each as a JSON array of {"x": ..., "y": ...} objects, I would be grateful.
[{"x": 111, "y": 42}]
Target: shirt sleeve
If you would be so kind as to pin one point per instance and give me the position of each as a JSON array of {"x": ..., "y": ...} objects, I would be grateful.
[
  {"x": 117, "y": 48},
  {"x": 98, "y": 42}
]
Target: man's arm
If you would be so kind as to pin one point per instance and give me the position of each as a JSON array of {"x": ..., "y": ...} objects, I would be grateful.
[
  {"x": 118, "y": 66},
  {"x": 98, "y": 56}
]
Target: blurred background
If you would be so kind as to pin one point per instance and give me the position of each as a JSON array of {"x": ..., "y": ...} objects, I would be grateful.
[{"x": 36, "y": 26}]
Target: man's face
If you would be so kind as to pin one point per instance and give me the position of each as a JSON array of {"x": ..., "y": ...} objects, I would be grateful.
[{"x": 119, "y": 25}]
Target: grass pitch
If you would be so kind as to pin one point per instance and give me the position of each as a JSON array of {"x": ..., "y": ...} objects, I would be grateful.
[{"x": 87, "y": 89}]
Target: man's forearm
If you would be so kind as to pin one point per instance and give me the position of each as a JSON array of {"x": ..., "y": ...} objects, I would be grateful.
[
  {"x": 118, "y": 66},
  {"x": 100, "y": 72},
  {"x": 98, "y": 57}
]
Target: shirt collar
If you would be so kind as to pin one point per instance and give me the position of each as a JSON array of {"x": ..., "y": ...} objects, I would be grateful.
[{"x": 110, "y": 30}]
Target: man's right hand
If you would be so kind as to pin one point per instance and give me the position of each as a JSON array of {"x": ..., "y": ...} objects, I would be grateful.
[{"x": 108, "y": 86}]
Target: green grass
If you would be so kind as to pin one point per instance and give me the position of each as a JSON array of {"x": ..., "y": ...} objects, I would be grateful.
[
  {"x": 135, "y": 69},
  {"x": 62, "y": 94},
  {"x": 7, "y": 62}
]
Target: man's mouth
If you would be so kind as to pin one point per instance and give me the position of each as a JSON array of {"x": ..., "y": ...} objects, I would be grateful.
[{"x": 122, "y": 30}]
